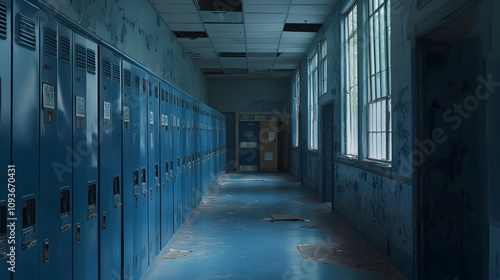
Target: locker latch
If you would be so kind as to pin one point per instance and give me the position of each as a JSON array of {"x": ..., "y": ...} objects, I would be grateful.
[
  {"x": 78, "y": 233},
  {"x": 46, "y": 251},
  {"x": 103, "y": 220}
]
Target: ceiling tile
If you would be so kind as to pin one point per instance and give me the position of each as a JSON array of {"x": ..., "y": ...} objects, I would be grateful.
[
  {"x": 303, "y": 35},
  {"x": 263, "y": 34},
  {"x": 222, "y": 17},
  {"x": 309, "y": 18},
  {"x": 285, "y": 65},
  {"x": 262, "y": 47},
  {"x": 266, "y": 27},
  {"x": 186, "y": 27},
  {"x": 263, "y": 41},
  {"x": 311, "y": 9},
  {"x": 231, "y": 40},
  {"x": 223, "y": 28},
  {"x": 175, "y": 8},
  {"x": 313, "y": 2},
  {"x": 168, "y": 1},
  {"x": 187, "y": 18},
  {"x": 264, "y": 18},
  {"x": 267, "y": 2},
  {"x": 294, "y": 40},
  {"x": 242, "y": 48},
  {"x": 237, "y": 76},
  {"x": 251, "y": 8},
  {"x": 292, "y": 49},
  {"x": 233, "y": 62}
]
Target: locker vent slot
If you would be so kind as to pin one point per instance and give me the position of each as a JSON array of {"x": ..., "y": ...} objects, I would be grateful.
[
  {"x": 127, "y": 78},
  {"x": 106, "y": 69},
  {"x": 116, "y": 73},
  {"x": 3, "y": 21},
  {"x": 135, "y": 262},
  {"x": 127, "y": 272},
  {"x": 92, "y": 202},
  {"x": 143, "y": 255},
  {"x": 137, "y": 86},
  {"x": 50, "y": 42},
  {"x": 65, "y": 49},
  {"x": 156, "y": 91},
  {"x": 26, "y": 35},
  {"x": 144, "y": 86},
  {"x": 162, "y": 95},
  {"x": 150, "y": 89},
  {"x": 3, "y": 231},
  {"x": 91, "y": 61},
  {"x": 81, "y": 57}
]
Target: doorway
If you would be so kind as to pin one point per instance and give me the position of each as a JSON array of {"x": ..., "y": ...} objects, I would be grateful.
[
  {"x": 449, "y": 154},
  {"x": 327, "y": 154}
]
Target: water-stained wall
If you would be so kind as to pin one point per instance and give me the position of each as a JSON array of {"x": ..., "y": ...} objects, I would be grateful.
[
  {"x": 376, "y": 200},
  {"x": 134, "y": 27}
]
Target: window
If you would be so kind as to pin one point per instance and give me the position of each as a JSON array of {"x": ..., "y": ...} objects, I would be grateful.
[
  {"x": 351, "y": 81},
  {"x": 295, "y": 110},
  {"x": 323, "y": 49},
  {"x": 313, "y": 102},
  {"x": 378, "y": 96}
]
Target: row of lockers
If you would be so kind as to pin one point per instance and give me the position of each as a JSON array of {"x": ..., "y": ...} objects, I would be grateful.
[{"x": 107, "y": 160}]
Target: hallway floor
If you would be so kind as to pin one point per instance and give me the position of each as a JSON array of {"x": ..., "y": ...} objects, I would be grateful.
[{"x": 231, "y": 236}]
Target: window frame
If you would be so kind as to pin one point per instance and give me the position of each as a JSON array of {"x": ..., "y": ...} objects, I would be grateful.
[
  {"x": 323, "y": 66},
  {"x": 296, "y": 110},
  {"x": 313, "y": 101}
]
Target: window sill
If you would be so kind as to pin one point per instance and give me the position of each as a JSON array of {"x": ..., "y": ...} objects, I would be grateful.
[
  {"x": 348, "y": 159},
  {"x": 312, "y": 152}
]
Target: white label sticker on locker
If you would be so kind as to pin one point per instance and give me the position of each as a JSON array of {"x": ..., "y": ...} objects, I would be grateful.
[
  {"x": 174, "y": 121},
  {"x": 126, "y": 114},
  {"x": 166, "y": 120},
  {"x": 80, "y": 106},
  {"x": 107, "y": 110},
  {"x": 48, "y": 96},
  {"x": 151, "y": 117},
  {"x": 162, "y": 120},
  {"x": 178, "y": 123}
]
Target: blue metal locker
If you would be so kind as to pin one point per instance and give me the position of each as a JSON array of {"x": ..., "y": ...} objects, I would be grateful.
[
  {"x": 153, "y": 167},
  {"x": 134, "y": 198},
  {"x": 142, "y": 218},
  {"x": 177, "y": 154},
  {"x": 166, "y": 198},
  {"x": 184, "y": 174},
  {"x": 110, "y": 169},
  {"x": 85, "y": 141},
  {"x": 55, "y": 139},
  {"x": 25, "y": 132},
  {"x": 5, "y": 128}
]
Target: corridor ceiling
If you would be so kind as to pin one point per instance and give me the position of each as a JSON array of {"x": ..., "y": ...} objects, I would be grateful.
[{"x": 245, "y": 38}]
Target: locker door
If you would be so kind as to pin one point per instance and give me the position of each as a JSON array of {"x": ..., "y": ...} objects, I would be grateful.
[
  {"x": 132, "y": 189},
  {"x": 166, "y": 198},
  {"x": 178, "y": 161},
  {"x": 185, "y": 190},
  {"x": 110, "y": 157},
  {"x": 55, "y": 167},
  {"x": 25, "y": 138},
  {"x": 153, "y": 168},
  {"x": 5, "y": 128},
  {"x": 142, "y": 218},
  {"x": 85, "y": 185}
]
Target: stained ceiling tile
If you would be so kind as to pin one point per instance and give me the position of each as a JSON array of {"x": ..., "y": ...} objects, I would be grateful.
[{"x": 222, "y": 17}]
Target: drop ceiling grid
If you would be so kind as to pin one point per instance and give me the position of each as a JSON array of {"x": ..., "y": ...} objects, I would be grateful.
[{"x": 258, "y": 29}]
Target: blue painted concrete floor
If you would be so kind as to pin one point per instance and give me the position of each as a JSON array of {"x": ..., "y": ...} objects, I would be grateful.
[{"x": 230, "y": 236}]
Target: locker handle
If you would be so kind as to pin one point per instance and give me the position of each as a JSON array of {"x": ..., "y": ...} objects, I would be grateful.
[
  {"x": 103, "y": 220},
  {"x": 46, "y": 250},
  {"x": 78, "y": 232}
]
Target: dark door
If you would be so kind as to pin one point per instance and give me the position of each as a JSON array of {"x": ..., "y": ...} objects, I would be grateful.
[
  {"x": 449, "y": 153},
  {"x": 327, "y": 152}
]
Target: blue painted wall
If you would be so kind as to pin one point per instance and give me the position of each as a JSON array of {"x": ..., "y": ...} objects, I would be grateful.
[
  {"x": 376, "y": 201},
  {"x": 134, "y": 27},
  {"x": 264, "y": 95}
]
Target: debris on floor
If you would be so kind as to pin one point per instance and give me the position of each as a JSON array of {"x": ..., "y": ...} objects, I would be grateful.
[
  {"x": 175, "y": 254},
  {"x": 284, "y": 217}
]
